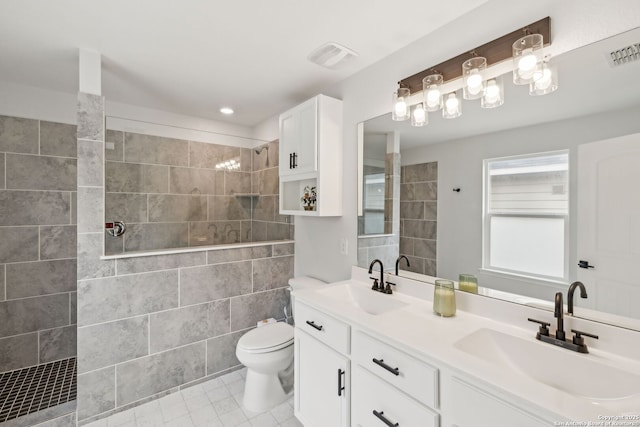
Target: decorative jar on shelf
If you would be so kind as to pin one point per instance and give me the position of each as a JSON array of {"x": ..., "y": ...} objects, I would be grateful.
[{"x": 309, "y": 197}]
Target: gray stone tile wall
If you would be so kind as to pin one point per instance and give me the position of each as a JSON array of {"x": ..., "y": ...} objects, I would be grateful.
[
  {"x": 167, "y": 321},
  {"x": 418, "y": 216},
  {"x": 155, "y": 150},
  {"x": 38, "y": 170},
  {"x": 167, "y": 203}
]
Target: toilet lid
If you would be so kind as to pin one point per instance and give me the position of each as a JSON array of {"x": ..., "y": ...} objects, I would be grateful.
[{"x": 267, "y": 338}]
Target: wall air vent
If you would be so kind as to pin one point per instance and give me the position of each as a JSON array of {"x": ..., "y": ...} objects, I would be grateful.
[
  {"x": 332, "y": 55},
  {"x": 624, "y": 55}
]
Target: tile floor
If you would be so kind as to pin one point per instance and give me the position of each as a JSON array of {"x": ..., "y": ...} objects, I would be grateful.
[{"x": 215, "y": 403}]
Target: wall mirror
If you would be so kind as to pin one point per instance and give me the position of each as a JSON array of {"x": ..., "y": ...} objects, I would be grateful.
[
  {"x": 180, "y": 188},
  {"x": 443, "y": 206}
]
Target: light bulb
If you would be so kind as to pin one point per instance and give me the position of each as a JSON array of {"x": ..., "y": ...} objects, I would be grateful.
[
  {"x": 474, "y": 83},
  {"x": 452, "y": 104},
  {"x": 542, "y": 79},
  {"x": 492, "y": 92},
  {"x": 433, "y": 98},
  {"x": 452, "y": 107},
  {"x": 401, "y": 107},
  {"x": 527, "y": 64},
  {"x": 419, "y": 115}
]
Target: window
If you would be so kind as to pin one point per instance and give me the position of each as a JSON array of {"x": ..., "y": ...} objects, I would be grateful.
[
  {"x": 526, "y": 214},
  {"x": 374, "y": 185}
]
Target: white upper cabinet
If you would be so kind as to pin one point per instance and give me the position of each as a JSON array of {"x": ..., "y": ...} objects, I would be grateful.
[{"x": 311, "y": 157}]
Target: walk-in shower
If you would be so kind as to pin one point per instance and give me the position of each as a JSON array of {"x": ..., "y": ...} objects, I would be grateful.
[{"x": 190, "y": 189}]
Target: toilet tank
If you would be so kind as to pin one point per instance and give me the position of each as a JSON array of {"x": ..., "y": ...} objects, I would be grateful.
[{"x": 301, "y": 283}]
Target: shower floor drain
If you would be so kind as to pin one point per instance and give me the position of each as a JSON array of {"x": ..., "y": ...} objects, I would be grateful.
[{"x": 29, "y": 390}]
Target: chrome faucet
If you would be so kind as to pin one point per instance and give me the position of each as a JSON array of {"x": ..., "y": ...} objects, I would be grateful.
[
  {"x": 572, "y": 289},
  {"x": 398, "y": 262}
]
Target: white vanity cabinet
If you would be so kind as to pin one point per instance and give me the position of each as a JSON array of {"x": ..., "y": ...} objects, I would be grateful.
[
  {"x": 322, "y": 369},
  {"x": 311, "y": 156}
]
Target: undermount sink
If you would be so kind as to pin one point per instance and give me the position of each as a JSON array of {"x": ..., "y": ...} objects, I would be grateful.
[
  {"x": 581, "y": 375},
  {"x": 363, "y": 298}
]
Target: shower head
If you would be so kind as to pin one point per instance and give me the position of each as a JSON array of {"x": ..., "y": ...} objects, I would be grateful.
[{"x": 262, "y": 148}]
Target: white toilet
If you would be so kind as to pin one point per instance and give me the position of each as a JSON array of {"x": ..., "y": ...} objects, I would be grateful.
[{"x": 267, "y": 352}]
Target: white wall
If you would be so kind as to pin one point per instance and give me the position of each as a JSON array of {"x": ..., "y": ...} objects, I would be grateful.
[{"x": 367, "y": 94}]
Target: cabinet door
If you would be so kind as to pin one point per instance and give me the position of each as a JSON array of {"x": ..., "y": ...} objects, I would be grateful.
[
  {"x": 321, "y": 384},
  {"x": 298, "y": 139},
  {"x": 473, "y": 407}
]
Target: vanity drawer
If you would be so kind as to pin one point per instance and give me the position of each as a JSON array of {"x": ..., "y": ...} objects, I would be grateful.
[
  {"x": 325, "y": 328},
  {"x": 369, "y": 393},
  {"x": 409, "y": 374}
]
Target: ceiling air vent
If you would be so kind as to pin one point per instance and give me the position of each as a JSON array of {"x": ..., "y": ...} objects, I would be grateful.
[
  {"x": 331, "y": 55},
  {"x": 624, "y": 55}
]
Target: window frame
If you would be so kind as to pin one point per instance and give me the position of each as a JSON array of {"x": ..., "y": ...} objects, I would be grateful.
[{"x": 487, "y": 216}]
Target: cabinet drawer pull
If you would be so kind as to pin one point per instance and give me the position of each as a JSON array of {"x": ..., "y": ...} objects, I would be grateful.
[
  {"x": 340, "y": 385},
  {"x": 384, "y": 419},
  {"x": 295, "y": 160},
  {"x": 394, "y": 371},
  {"x": 290, "y": 160},
  {"x": 313, "y": 325}
]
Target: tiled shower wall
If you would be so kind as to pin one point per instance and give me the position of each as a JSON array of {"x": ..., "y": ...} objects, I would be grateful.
[
  {"x": 37, "y": 242},
  {"x": 175, "y": 193},
  {"x": 148, "y": 326},
  {"x": 418, "y": 216}
]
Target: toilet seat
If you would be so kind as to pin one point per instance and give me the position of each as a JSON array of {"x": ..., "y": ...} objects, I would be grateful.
[{"x": 267, "y": 338}]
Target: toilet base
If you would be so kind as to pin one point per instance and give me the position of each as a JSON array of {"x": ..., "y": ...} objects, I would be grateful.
[{"x": 262, "y": 392}]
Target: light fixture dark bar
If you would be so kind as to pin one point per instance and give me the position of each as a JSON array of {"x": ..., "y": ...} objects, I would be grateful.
[{"x": 495, "y": 51}]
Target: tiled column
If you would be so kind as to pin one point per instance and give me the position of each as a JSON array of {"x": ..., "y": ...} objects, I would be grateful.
[{"x": 96, "y": 389}]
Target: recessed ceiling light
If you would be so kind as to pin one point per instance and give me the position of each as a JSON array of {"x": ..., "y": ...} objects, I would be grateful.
[{"x": 226, "y": 110}]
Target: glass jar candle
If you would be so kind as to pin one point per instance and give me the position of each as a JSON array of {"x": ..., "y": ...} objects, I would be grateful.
[
  {"x": 444, "y": 298},
  {"x": 468, "y": 283}
]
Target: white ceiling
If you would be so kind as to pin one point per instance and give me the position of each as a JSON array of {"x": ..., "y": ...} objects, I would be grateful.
[{"x": 195, "y": 56}]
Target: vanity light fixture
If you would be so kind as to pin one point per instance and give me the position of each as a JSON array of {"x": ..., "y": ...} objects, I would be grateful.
[
  {"x": 401, "y": 110},
  {"x": 476, "y": 77},
  {"x": 419, "y": 116}
]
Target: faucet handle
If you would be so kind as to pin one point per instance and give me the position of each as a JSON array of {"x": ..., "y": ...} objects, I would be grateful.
[
  {"x": 388, "y": 289},
  {"x": 375, "y": 286},
  {"x": 578, "y": 338},
  {"x": 544, "y": 326}
]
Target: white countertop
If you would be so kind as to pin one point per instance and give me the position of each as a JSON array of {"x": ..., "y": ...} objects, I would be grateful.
[{"x": 417, "y": 330}]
